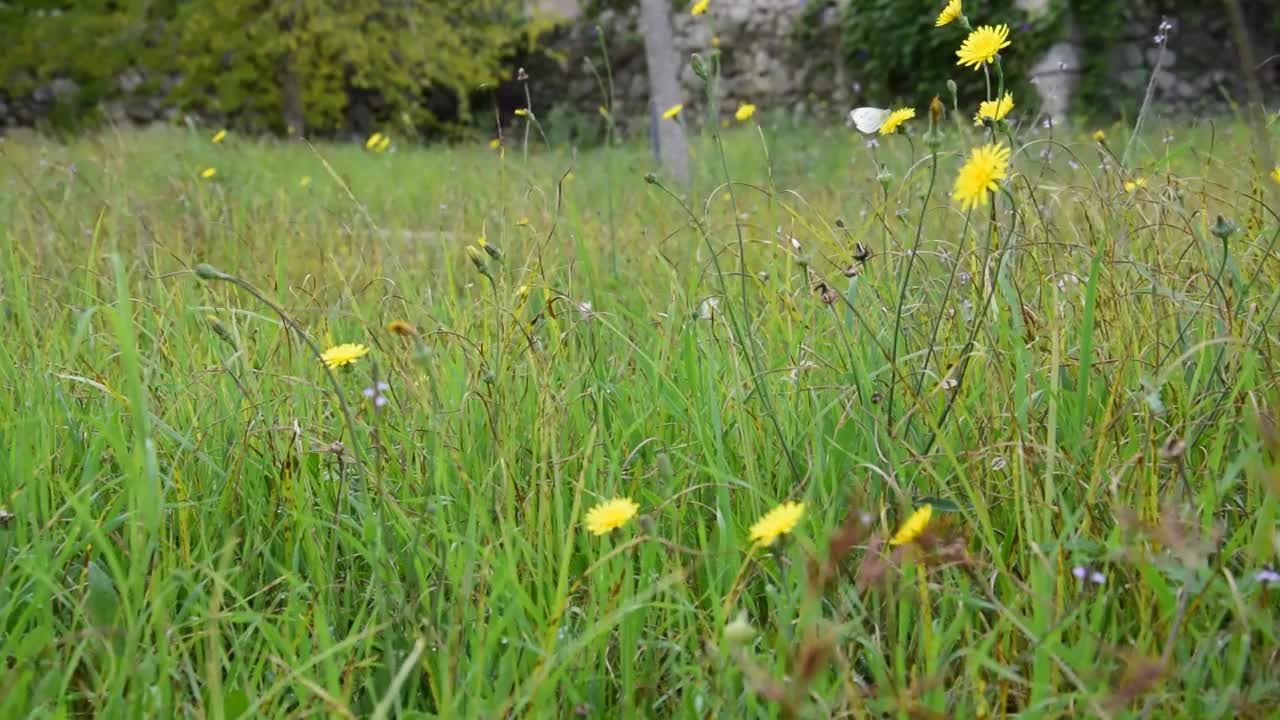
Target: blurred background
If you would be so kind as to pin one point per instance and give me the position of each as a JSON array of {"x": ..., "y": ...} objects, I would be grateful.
[{"x": 440, "y": 69}]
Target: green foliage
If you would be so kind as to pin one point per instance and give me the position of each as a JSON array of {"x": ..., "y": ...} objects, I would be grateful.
[
  {"x": 262, "y": 62},
  {"x": 895, "y": 51}
]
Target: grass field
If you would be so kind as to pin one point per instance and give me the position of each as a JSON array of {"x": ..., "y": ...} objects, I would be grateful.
[{"x": 1078, "y": 380}]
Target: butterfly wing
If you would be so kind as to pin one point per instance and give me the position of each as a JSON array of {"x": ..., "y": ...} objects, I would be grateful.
[{"x": 868, "y": 119}]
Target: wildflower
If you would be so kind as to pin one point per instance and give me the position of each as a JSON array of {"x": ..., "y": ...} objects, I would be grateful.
[
  {"x": 345, "y": 354},
  {"x": 522, "y": 222},
  {"x": 981, "y": 174},
  {"x": 477, "y": 258},
  {"x": 982, "y": 45},
  {"x": 699, "y": 7},
  {"x": 208, "y": 173},
  {"x": 994, "y": 109},
  {"x": 374, "y": 394},
  {"x": 494, "y": 143},
  {"x": 305, "y": 181},
  {"x": 219, "y": 136},
  {"x": 1082, "y": 573},
  {"x": 1267, "y": 577},
  {"x": 935, "y": 110},
  {"x": 949, "y": 14},
  {"x": 739, "y": 632},
  {"x": 1099, "y": 136},
  {"x": 401, "y": 328},
  {"x": 383, "y": 143},
  {"x": 776, "y": 523},
  {"x": 715, "y": 41},
  {"x": 672, "y": 111},
  {"x": 896, "y": 119},
  {"x": 1134, "y": 184},
  {"x": 522, "y": 112},
  {"x": 744, "y": 112},
  {"x": 522, "y": 295},
  {"x": 914, "y": 526},
  {"x": 610, "y": 515},
  {"x": 1275, "y": 174},
  {"x": 373, "y": 141},
  {"x": 490, "y": 249}
]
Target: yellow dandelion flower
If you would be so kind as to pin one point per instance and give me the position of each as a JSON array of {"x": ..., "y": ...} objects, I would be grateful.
[
  {"x": 1099, "y": 136},
  {"x": 219, "y": 136},
  {"x": 494, "y": 143},
  {"x": 981, "y": 174},
  {"x": 522, "y": 222},
  {"x": 982, "y": 45},
  {"x": 672, "y": 111},
  {"x": 345, "y": 354},
  {"x": 994, "y": 109},
  {"x": 699, "y": 7},
  {"x": 896, "y": 119},
  {"x": 1275, "y": 174},
  {"x": 715, "y": 41},
  {"x": 522, "y": 112},
  {"x": 914, "y": 525},
  {"x": 383, "y": 144},
  {"x": 208, "y": 173},
  {"x": 610, "y": 515},
  {"x": 305, "y": 181},
  {"x": 373, "y": 141},
  {"x": 949, "y": 14},
  {"x": 744, "y": 112},
  {"x": 1134, "y": 184},
  {"x": 776, "y": 523},
  {"x": 401, "y": 328}
]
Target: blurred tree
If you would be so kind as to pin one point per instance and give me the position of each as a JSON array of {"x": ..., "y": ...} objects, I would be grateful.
[{"x": 294, "y": 64}]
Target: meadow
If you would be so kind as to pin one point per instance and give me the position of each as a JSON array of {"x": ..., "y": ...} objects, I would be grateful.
[{"x": 1035, "y": 442}]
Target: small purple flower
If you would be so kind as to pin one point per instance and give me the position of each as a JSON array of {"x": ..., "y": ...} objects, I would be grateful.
[
  {"x": 1267, "y": 577},
  {"x": 873, "y": 143},
  {"x": 1097, "y": 578},
  {"x": 374, "y": 394},
  {"x": 1080, "y": 572}
]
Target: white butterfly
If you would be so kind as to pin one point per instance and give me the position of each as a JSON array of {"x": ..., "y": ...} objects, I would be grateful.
[{"x": 868, "y": 119}]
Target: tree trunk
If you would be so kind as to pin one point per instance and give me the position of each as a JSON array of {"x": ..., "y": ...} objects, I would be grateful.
[{"x": 664, "y": 86}]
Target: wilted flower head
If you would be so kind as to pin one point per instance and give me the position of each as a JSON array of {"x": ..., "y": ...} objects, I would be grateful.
[{"x": 401, "y": 328}]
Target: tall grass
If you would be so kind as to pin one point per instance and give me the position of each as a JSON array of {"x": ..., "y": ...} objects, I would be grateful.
[{"x": 1084, "y": 382}]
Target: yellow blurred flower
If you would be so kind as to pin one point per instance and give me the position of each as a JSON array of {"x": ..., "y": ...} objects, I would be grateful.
[
  {"x": 522, "y": 222},
  {"x": 994, "y": 109},
  {"x": 1275, "y": 174},
  {"x": 219, "y": 136},
  {"x": 914, "y": 525},
  {"x": 699, "y": 7},
  {"x": 208, "y": 173},
  {"x": 494, "y": 143},
  {"x": 610, "y": 515},
  {"x": 522, "y": 112},
  {"x": 672, "y": 111},
  {"x": 896, "y": 119},
  {"x": 744, "y": 112},
  {"x": 305, "y": 181},
  {"x": 982, "y": 45},
  {"x": 373, "y": 141},
  {"x": 1099, "y": 136},
  {"x": 949, "y": 14},
  {"x": 715, "y": 41},
  {"x": 345, "y": 354},
  {"x": 383, "y": 144},
  {"x": 777, "y": 522},
  {"x": 1134, "y": 184},
  {"x": 401, "y": 328},
  {"x": 981, "y": 174}
]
